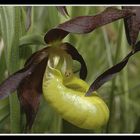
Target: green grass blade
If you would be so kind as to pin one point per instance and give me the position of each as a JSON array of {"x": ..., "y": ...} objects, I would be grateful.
[
  {"x": 4, "y": 109},
  {"x": 11, "y": 31}
]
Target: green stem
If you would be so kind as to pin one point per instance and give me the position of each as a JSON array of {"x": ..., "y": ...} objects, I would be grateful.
[
  {"x": 125, "y": 90},
  {"x": 110, "y": 62},
  {"x": 114, "y": 80},
  {"x": 14, "y": 65},
  {"x": 32, "y": 20},
  {"x": 108, "y": 48},
  {"x": 14, "y": 114}
]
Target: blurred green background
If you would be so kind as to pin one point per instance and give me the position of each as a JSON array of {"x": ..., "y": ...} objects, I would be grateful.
[{"x": 101, "y": 49}]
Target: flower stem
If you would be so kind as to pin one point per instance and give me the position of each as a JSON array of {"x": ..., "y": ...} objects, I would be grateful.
[
  {"x": 125, "y": 89},
  {"x": 111, "y": 100},
  {"x": 14, "y": 114}
]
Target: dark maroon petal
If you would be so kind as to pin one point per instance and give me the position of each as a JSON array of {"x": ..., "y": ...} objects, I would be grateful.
[
  {"x": 132, "y": 24},
  {"x": 55, "y": 34},
  {"x": 76, "y": 56},
  {"x": 86, "y": 24},
  {"x": 62, "y": 10},
  {"x": 29, "y": 93},
  {"x": 37, "y": 57},
  {"x": 12, "y": 82},
  {"x": 111, "y": 72},
  {"x": 28, "y": 81}
]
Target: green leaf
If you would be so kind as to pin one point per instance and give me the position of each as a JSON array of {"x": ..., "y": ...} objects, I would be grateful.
[
  {"x": 31, "y": 39},
  {"x": 11, "y": 32},
  {"x": 2, "y": 65}
]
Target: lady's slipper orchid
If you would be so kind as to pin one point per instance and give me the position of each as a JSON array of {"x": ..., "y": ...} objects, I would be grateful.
[{"x": 50, "y": 71}]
